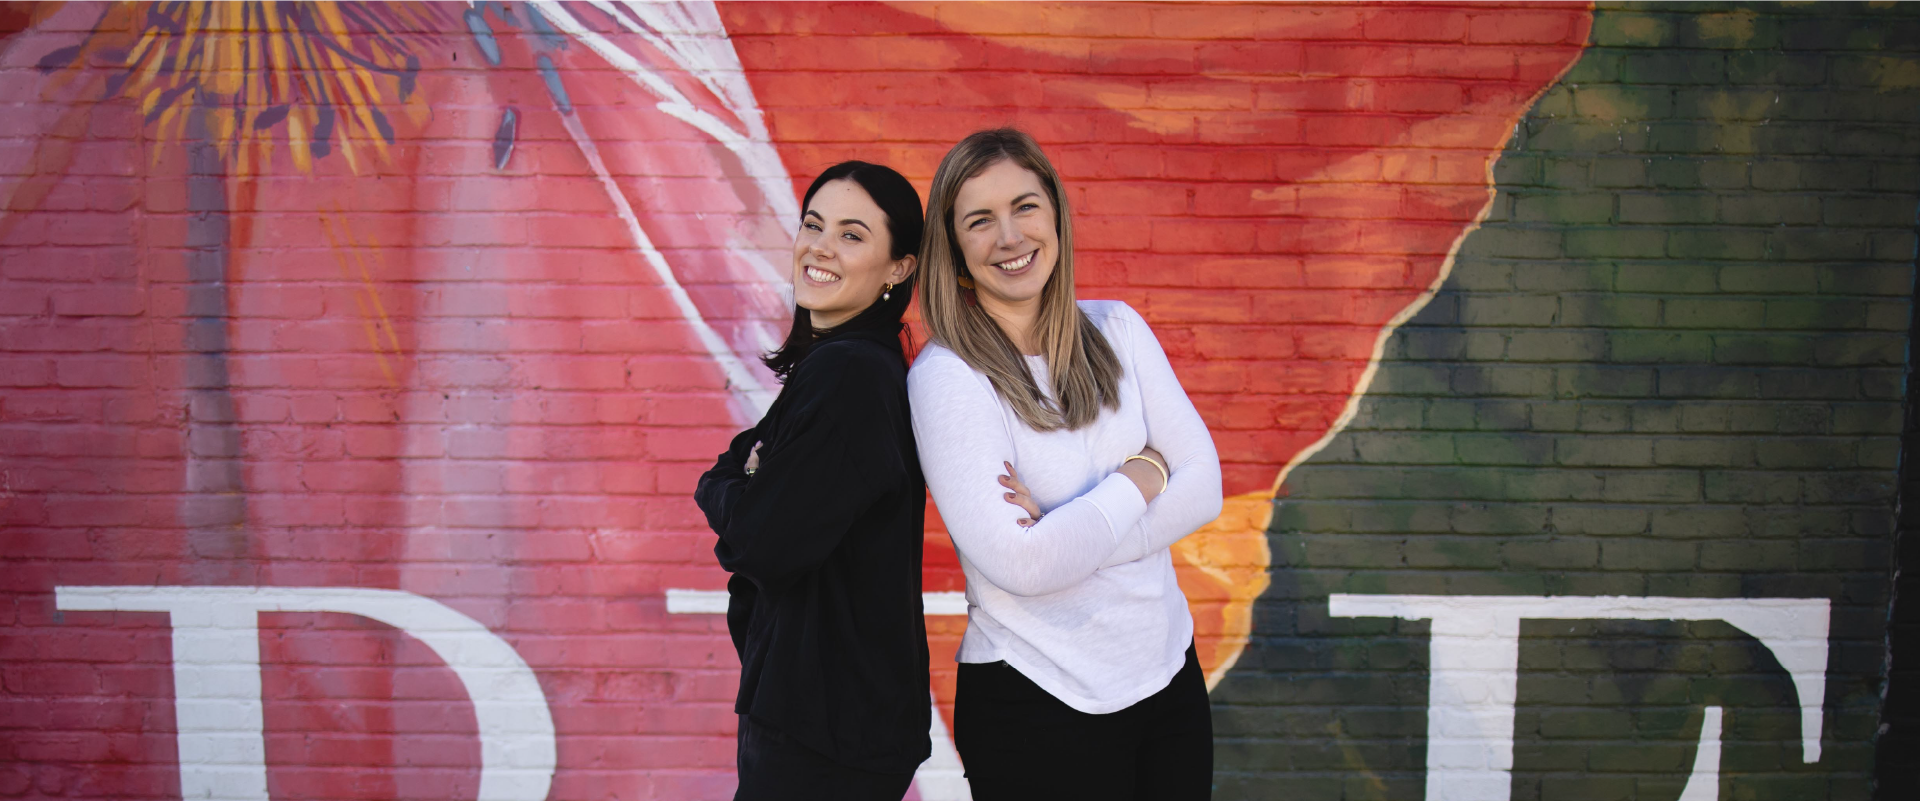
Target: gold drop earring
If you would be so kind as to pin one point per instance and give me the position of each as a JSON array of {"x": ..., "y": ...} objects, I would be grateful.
[{"x": 887, "y": 293}]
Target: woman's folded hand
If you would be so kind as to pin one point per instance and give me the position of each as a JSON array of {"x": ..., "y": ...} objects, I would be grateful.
[{"x": 1019, "y": 496}]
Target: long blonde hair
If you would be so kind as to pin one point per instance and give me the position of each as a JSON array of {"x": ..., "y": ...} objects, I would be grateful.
[{"x": 1081, "y": 366}]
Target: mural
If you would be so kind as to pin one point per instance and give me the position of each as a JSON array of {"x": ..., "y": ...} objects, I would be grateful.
[
  {"x": 359, "y": 359},
  {"x": 1614, "y": 518}
]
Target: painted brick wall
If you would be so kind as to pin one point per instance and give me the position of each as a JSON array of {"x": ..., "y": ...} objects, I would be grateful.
[
  {"x": 458, "y": 301},
  {"x": 1671, "y": 363}
]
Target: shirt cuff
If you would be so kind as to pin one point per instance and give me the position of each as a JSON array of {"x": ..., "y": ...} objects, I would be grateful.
[{"x": 1119, "y": 501}]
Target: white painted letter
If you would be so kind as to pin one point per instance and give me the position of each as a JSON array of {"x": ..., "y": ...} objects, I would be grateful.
[
  {"x": 1475, "y": 667},
  {"x": 216, "y": 680}
]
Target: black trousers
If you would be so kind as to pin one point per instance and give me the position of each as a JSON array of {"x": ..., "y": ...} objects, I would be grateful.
[
  {"x": 775, "y": 768},
  {"x": 1019, "y": 742}
]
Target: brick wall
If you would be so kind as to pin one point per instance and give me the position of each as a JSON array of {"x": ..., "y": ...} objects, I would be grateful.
[
  {"x": 463, "y": 314},
  {"x": 1670, "y": 363}
]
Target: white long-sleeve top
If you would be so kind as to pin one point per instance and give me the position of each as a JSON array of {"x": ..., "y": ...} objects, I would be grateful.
[{"x": 1084, "y": 603}]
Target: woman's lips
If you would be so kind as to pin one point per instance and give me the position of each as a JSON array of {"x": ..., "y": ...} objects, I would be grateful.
[
  {"x": 1016, "y": 266},
  {"x": 818, "y": 277}
]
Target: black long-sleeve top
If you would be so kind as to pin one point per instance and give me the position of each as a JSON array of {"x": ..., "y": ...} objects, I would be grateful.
[{"x": 824, "y": 546}]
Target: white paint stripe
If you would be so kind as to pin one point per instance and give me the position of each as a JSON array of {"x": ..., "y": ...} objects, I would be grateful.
[
  {"x": 740, "y": 380},
  {"x": 1704, "y": 783},
  {"x": 692, "y": 33},
  {"x": 696, "y": 602},
  {"x": 714, "y": 602},
  {"x": 754, "y": 148},
  {"x": 944, "y": 603}
]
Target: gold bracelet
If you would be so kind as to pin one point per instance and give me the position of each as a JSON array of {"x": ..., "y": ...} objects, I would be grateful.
[{"x": 1156, "y": 466}]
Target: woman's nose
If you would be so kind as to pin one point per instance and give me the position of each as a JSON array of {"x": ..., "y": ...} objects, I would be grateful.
[{"x": 1009, "y": 233}]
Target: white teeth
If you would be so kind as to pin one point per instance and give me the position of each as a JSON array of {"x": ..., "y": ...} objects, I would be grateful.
[
  {"x": 1017, "y": 263},
  {"x": 821, "y": 276}
]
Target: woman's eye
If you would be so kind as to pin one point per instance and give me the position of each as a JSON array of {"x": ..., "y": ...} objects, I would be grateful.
[
  {"x": 810, "y": 226},
  {"x": 977, "y": 223},
  {"x": 851, "y": 236},
  {"x": 1030, "y": 207}
]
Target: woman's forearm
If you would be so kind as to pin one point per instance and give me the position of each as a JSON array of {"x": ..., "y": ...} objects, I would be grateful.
[
  {"x": 1192, "y": 500},
  {"x": 964, "y": 445},
  {"x": 722, "y": 485},
  {"x": 1174, "y": 428},
  {"x": 1065, "y": 547}
]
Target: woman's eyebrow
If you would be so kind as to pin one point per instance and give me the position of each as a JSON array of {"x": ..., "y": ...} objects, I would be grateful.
[
  {"x": 1015, "y": 202},
  {"x": 849, "y": 221}
]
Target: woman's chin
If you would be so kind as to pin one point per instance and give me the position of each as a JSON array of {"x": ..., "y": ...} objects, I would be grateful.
[
  {"x": 833, "y": 313},
  {"x": 815, "y": 299},
  {"x": 1018, "y": 291}
]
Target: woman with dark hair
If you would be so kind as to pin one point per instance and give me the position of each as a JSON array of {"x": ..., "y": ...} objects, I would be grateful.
[
  {"x": 819, "y": 509},
  {"x": 1065, "y": 459}
]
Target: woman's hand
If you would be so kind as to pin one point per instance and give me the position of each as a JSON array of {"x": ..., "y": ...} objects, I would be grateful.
[
  {"x": 753, "y": 459},
  {"x": 1020, "y": 496},
  {"x": 1145, "y": 476}
]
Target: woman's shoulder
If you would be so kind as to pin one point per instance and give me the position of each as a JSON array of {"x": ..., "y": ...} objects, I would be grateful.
[
  {"x": 1115, "y": 318},
  {"x": 936, "y": 361},
  {"x": 1103, "y": 309},
  {"x": 939, "y": 370}
]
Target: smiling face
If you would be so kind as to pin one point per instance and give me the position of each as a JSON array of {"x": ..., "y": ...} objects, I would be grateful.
[
  {"x": 842, "y": 254},
  {"x": 1003, "y": 220}
]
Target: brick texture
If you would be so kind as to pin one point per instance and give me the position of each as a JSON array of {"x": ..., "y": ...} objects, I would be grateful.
[
  {"x": 462, "y": 329},
  {"x": 1670, "y": 363}
]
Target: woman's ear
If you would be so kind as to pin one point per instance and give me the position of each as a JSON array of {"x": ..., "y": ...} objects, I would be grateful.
[{"x": 903, "y": 267}]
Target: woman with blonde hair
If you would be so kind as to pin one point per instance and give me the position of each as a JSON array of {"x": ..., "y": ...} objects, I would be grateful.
[{"x": 1041, "y": 424}]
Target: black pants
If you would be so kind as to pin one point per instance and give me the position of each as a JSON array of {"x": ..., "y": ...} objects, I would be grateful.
[
  {"x": 1019, "y": 742},
  {"x": 775, "y": 768}
]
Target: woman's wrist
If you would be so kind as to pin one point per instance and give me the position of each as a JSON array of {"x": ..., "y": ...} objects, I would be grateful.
[
  {"x": 1144, "y": 477},
  {"x": 1157, "y": 466}
]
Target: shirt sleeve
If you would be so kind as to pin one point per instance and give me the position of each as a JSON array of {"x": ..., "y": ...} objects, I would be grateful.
[
  {"x": 1193, "y": 495},
  {"x": 963, "y": 441},
  {"x": 722, "y": 485},
  {"x": 834, "y": 454}
]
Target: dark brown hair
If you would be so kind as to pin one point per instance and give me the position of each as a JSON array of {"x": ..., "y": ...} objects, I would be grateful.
[{"x": 901, "y": 203}]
